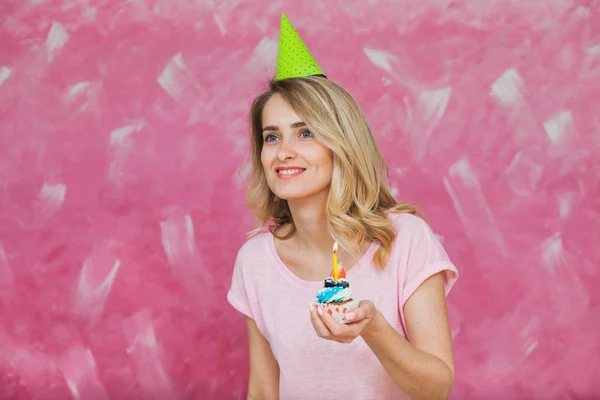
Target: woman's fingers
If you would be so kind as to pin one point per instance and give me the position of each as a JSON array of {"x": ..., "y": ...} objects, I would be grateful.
[
  {"x": 363, "y": 311},
  {"x": 341, "y": 333},
  {"x": 332, "y": 325},
  {"x": 317, "y": 323},
  {"x": 328, "y": 328}
]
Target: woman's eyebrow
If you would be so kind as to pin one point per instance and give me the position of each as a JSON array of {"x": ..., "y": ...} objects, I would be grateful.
[{"x": 298, "y": 124}]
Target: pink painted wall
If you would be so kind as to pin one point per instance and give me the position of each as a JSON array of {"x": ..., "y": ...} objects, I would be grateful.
[{"x": 122, "y": 125}]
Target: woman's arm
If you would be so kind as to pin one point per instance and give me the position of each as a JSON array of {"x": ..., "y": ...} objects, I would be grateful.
[
  {"x": 264, "y": 370},
  {"x": 423, "y": 368}
]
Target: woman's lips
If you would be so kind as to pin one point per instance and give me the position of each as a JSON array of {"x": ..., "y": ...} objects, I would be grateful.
[{"x": 289, "y": 173}]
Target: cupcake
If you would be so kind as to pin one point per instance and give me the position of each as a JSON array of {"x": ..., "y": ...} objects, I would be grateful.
[{"x": 335, "y": 297}]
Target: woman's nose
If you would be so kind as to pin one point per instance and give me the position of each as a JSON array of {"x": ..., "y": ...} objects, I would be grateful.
[{"x": 286, "y": 151}]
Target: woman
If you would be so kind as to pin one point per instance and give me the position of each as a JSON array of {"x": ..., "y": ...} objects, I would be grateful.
[{"x": 318, "y": 176}]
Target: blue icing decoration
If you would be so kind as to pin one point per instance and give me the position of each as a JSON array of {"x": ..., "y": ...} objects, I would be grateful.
[{"x": 326, "y": 294}]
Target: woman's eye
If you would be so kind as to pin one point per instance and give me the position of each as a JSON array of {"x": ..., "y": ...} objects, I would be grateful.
[
  {"x": 306, "y": 134},
  {"x": 270, "y": 138}
]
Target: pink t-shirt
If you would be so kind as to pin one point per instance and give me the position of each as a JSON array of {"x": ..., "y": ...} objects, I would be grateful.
[{"x": 264, "y": 289}]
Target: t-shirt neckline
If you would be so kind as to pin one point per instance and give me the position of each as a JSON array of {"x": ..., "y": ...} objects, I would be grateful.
[{"x": 351, "y": 274}]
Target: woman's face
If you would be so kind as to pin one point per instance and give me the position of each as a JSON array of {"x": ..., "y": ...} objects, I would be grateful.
[{"x": 295, "y": 164}]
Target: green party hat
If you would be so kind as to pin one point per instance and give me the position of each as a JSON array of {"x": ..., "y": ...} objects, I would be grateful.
[{"x": 293, "y": 58}]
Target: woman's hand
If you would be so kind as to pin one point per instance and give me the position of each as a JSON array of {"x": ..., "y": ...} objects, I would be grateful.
[{"x": 360, "y": 320}]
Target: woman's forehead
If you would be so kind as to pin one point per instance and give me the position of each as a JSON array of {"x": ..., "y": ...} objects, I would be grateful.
[{"x": 278, "y": 112}]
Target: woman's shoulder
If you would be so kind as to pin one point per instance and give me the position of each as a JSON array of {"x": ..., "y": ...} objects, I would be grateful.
[
  {"x": 411, "y": 228},
  {"x": 415, "y": 233},
  {"x": 256, "y": 246},
  {"x": 408, "y": 222}
]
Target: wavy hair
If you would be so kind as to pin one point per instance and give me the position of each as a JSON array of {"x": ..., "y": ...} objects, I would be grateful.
[{"x": 359, "y": 198}]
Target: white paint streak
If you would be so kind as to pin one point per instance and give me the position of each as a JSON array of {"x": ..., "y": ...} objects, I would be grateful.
[
  {"x": 220, "y": 25},
  {"x": 455, "y": 332},
  {"x": 77, "y": 89},
  {"x": 552, "y": 252},
  {"x": 57, "y": 38},
  {"x": 94, "y": 285},
  {"x": 117, "y": 165},
  {"x": 582, "y": 12},
  {"x": 590, "y": 65},
  {"x": 177, "y": 236},
  {"x": 6, "y": 276},
  {"x": 556, "y": 127},
  {"x": 564, "y": 205},
  {"x": 422, "y": 122},
  {"x": 508, "y": 88},
  {"x": 531, "y": 326},
  {"x": 139, "y": 330},
  {"x": 51, "y": 197},
  {"x": 89, "y": 13},
  {"x": 523, "y": 175},
  {"x": 463, "y": 170},
  {"x": 79, "y": 370},
  {"x": 470, "y": 204},
  {"x": 531, "y": 348},
  {"x": 122, "y": 142},
  {"x": 73, "y": 388},
  {"x": 433, "y": 104},
  {"x": 593, "y": 51},
  {"x": 242, "y": 176},
  {"x": 176, "y": 78},
  {"x": 84, "y": 96},
  {"x": 119, "y": 135},
  {"x": 5, "y": 73},
  {"x": 380, "y": 58},
  {"x": 455, "y": 200},
  {"x": 145, "y": 351},
  {"x": 265, "y": 53},
  {"x": 168, "y": 78},
  {"x": 144, "y": 338},
  {"x": 26, "y": 362}
]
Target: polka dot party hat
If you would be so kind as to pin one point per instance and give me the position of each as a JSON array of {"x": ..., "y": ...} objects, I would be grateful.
[{"x": 293, "y": 58}]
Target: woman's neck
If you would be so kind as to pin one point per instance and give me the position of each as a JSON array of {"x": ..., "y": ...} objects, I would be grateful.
[
  {"x": 312, "y": 233},
  {"x": 308, "y": 252}
]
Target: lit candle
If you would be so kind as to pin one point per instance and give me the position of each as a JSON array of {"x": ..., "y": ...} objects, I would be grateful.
[{"x": 335, "y": 262}]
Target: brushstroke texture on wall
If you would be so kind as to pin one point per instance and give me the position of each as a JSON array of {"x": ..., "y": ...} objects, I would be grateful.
[{"x": 122, "y": 128}]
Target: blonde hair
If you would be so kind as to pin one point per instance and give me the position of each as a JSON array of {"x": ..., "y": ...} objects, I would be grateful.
[{"x": 359, "y": 198}]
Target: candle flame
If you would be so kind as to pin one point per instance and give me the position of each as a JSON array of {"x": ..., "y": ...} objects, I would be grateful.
[{"x": 335, "y": 247}]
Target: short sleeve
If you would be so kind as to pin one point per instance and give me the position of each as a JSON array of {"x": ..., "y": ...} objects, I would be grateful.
[
  {"x": 425, "y": 258},
  {"x": 238, "y": 292}
]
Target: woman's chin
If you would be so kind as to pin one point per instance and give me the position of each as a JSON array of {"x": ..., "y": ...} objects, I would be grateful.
[
  {"x": 301, "y": 194},
  {"x": 295, "y": 196}
]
